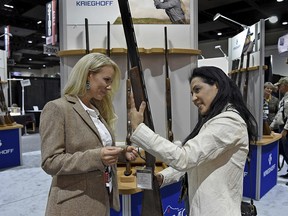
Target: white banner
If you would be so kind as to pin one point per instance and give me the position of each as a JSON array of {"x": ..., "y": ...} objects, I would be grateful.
[
  {"x": 97, "y": 12},
  {"x": 283, "y": 45},
  {"x": 51, "y": 28}
]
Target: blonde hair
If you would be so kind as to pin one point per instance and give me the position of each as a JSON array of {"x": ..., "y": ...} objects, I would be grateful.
[{"x": 76, "y": 84}]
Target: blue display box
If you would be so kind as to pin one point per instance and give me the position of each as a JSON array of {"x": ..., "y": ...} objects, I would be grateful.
[
  {"x": 261, "y": 175},
  {"x": 10, "y": 149},
  {"x": 170, "y": 204}
]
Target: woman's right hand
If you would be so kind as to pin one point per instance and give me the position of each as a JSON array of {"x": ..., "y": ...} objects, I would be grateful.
[
  {"x": 159, "y": 178},
  {"x": 136, "y": 117},
  {"x": 109, "y": 155}
]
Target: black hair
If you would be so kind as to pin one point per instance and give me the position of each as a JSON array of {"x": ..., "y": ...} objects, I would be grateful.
[{"x": 228, "y": 93}]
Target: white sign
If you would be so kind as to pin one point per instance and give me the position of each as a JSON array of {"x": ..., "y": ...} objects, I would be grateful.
[
  {"x": 51, "y": 50},
  {"x": 283, "y": 45},
  {"x": 2, "y": 59},
  {"x": 25, "y": 82},
  {"x": 97, "y": 12},
  {"x": 51, "y": 30}
]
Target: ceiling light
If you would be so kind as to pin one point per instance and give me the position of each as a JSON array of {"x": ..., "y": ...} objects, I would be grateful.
[
  {"x": 9, "y": 6},
  {"x": 272, "y": 19},
  {"x": 30, "y": 41},
  {"x": 219, "y": 33},
  {"x": 30, "y": 59},
  {"x": 284, "y": 23},
  {"x": 280, "y": 0},
  {"x": 220, "y": 15},
  {"x": 216, "y": 16},
  {"x": 39, "y": 22},
  {"x": 219, "y": 47}
]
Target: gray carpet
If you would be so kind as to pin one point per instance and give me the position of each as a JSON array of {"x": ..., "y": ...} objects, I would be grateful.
[{"x": 24, "y": 189}]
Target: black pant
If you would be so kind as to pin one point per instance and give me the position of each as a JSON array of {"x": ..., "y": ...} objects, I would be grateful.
[{"x": 283, "y": 147}]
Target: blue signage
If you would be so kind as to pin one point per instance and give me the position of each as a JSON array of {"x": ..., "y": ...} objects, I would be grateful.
[
  {"x": 269, "y": 167},
  {"x": 265, "y": 173},
  {"x": 170, "y": 204},
  {"x": 9, "y": 148}
]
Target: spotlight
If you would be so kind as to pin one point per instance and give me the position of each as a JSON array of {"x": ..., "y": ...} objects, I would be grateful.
[
  {"x": 272, "y": 19},
  {"x": 219, "y": 47},
  {"x": 220, "y": 15}
]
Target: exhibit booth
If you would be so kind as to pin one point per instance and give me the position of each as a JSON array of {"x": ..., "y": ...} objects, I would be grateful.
[
  {"x": 89, "y": 31},
  {"x": 245, "y": 65}
]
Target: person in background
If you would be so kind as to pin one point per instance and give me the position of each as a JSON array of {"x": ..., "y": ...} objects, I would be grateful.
[
  {"x": 271, "y": 100},
  {"x": 213, "y": 155},
  {"x": 280, "y": 120},
  {"x": 77, "y": 143},
  {"x": 173, "y": 9},
  {"x": 270, "y": 108}
]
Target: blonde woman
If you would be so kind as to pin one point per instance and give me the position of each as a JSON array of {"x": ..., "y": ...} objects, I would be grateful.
[{"x": 78, "y": 148}]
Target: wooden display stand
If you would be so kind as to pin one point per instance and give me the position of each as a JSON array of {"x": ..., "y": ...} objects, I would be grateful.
[
  {"x": 131, "y": 196},
  {"x": 127, "y": 184},
  {"x": 82, "y": 52}
]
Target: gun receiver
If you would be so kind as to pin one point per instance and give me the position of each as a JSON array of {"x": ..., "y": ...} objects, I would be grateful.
[{"x": 151, "y": 202}]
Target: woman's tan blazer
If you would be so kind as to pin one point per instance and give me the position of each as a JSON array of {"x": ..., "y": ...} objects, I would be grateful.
[{"x": 70, "y": 151}]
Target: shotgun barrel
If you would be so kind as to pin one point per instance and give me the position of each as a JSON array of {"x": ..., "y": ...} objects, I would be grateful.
[
  {"x": 87, "y": 36},
  {"x": 108, "y": 39},
  {"x": 168, "y": 91}
]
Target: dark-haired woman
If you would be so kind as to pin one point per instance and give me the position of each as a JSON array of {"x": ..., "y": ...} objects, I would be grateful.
[{"x": 214, "y": 154}]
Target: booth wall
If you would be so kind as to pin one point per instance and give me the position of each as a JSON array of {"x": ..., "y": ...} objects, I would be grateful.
[{"x": 184, "y": 114}]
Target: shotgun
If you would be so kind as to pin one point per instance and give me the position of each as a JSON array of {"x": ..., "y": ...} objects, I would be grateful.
[
  {"x": 151, "y": 201},
  {"x": 245, "y": 89},
  {"x": 8, "y": 120},
  {"x": 240, "y": 73},
  {"x": 108, "y": 39},
  {"x": 87, "y": 36},
  {"x": 168, "y": 91},
  {"x": 128, "y": 170}
]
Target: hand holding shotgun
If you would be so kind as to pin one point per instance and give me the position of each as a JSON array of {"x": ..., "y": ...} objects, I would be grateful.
[{"x": 136, "y": 116}]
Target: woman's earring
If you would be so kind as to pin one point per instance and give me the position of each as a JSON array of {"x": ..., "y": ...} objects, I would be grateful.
[{"x": 88, "y": 85}]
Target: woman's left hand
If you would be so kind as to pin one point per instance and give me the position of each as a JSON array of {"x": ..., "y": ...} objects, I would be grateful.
[{"x": 131, "y": 153}]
